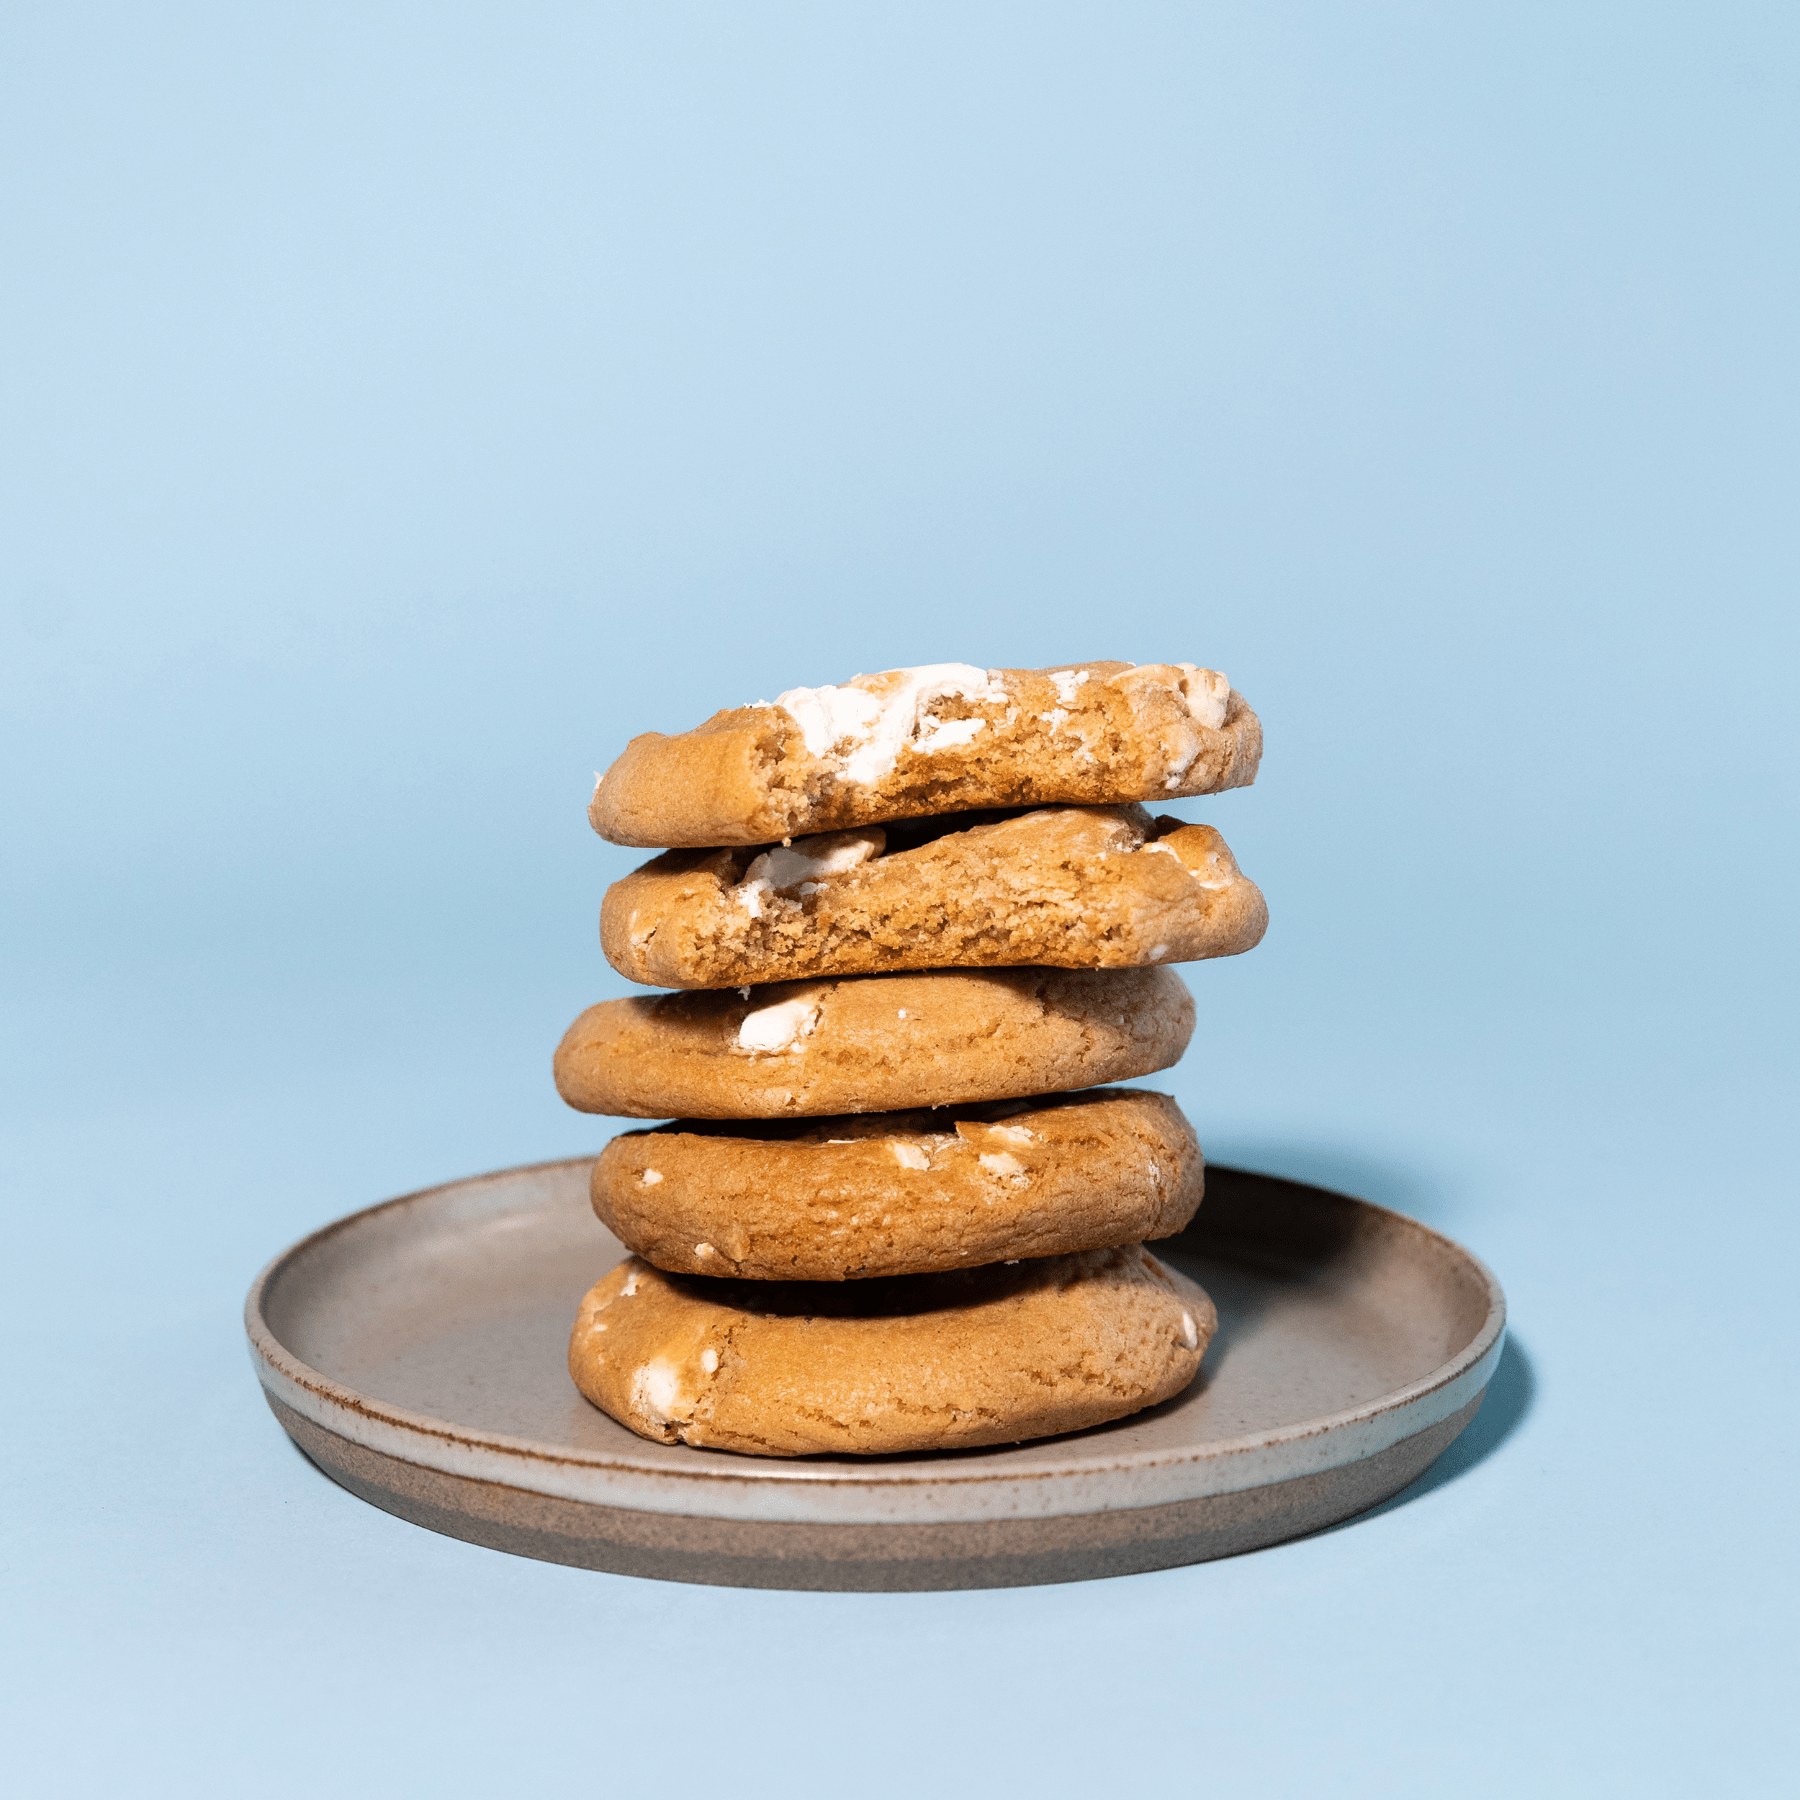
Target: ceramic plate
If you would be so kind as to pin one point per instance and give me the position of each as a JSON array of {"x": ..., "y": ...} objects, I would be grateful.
[{"x": 415, "y": 1352}]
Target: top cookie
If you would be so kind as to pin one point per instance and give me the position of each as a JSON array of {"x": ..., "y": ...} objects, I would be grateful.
[{"x": 945, "y": 738}]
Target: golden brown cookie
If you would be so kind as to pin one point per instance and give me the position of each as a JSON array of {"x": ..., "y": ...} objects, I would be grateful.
[
  {"x": 946, "y": 738},
  {"x": 866, "y": 1368},
  {"x": 878, "y": 1194},
  {"x": 1075, "y": 887},
  {"x": 872, "y": 1043}
]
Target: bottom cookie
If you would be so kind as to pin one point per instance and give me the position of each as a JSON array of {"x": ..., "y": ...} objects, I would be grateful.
[{"x": 926, "y": 1362}]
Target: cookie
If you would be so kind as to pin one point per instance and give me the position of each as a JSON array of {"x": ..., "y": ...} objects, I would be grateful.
[
  {"x": 866, "y": 1368},
  {"x": 907, "y": 1193},
  {"x": 872, "y": 1043},
  {"x": 1075, "y": 887},
  {"x": 945, "y": 738}
]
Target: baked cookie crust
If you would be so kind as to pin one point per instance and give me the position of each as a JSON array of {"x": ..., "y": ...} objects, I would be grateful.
[
  {"x": 873, "y": 1043},
  {"x": 910, "y": 1193},
  {"x": 1073, "y": 887},
  {"x": 930, "y": 1362},
  {"x": 948, "y": 737}
]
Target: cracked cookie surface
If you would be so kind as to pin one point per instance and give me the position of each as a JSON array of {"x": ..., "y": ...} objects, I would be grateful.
[
  {"x": 872, "y": 1043},
  {"x": 928, "y": 1362},
  {"x": 948, "y": 737},
  {"x": 907, "y": 1193},
  {"x": 1074, "y": 887}
]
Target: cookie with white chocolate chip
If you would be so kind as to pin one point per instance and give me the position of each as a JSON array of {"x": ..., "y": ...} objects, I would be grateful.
[
  {"x": 931, "y": 1362},
  {"x": 910, "y": 1193},
  {"x": 948, "y": 737},
  {"x": 1074, "y": 887},
  {"x": 872, "y": 1043}
]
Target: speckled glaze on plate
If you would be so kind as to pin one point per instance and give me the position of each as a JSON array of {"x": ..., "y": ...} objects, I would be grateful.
[{"x": 415, "y": 1352}]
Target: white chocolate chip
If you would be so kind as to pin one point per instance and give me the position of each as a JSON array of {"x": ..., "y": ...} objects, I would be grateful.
[
  {"x": 656, "y": 1391},
  {"x": 780, "y": 1026},
  {"x": 650, "y": 1177}
]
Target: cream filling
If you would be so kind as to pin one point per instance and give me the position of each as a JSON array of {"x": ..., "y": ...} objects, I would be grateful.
[
  {"x": 814, "y": 859},
  {"x": 1204, "y": 695},
  {"x": 865, "y": 723},
  {"x": 1205, "y": 691}
]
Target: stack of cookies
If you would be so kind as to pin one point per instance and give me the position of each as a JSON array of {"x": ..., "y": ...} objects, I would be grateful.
[{"x": 916, "y": 923}]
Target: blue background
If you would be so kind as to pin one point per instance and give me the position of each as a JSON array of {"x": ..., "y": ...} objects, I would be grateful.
[{"x": 405, "y": 405}]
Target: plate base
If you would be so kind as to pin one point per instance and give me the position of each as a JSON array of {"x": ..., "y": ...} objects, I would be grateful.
[{"x": 886, "y": 1558}]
